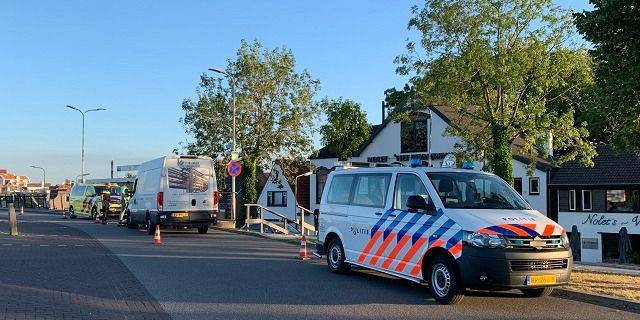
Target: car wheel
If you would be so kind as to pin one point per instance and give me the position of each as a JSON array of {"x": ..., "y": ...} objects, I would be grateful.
[
  {"x": 72, "y": 213},
  {"x": 94, "y": 213},
  {"x": 444, "y": 283},
  {"x": 130, "y": 223},
  {"x": 203, "y": 230},
  {"x": 335, "y": 257},
  {"x": 537, "y": 292},
  {"x": 151, "y": 228}
]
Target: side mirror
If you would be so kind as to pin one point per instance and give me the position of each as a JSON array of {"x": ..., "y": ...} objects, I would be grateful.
[{"x": 416, "y": 203}]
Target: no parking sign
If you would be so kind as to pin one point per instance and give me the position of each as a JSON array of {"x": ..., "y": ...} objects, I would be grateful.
[{"x": 234, "y": 168}]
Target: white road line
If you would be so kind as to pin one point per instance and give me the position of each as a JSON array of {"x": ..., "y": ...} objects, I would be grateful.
[
  {"x": 44, "y": 245},
  {"x": 62, "y": 245},
  {"x": 7, "y": 244}
]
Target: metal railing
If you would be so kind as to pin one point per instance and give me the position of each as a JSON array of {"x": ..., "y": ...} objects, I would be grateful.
[
  {"x": 282, "y": 224},
  {"x": 24, "y": 200}
]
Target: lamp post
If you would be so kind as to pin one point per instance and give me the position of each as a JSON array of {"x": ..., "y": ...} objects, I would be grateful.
[
  {"x": 44, "y": 177},
  {"x": 82, "y": 175},
  {"x": 233, "y": 145},
  {"x": 295, "y": 196},
  {"x": 83, "y": 114}
]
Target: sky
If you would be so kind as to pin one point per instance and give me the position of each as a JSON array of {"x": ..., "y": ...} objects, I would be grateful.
[{"x": 140, "y": 59}]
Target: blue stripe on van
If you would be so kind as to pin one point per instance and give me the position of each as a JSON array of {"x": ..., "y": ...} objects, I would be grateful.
[
  {"x": 408, "y": 225},
  {"x": 382, "y": 220},
  {"x": 442, "y": 230},
  {"x": 425, "y": 226},
  {"x": 502, "y": 230},
  {"x": 394, "y": 224},
  {"x": 528, "y": 230}
]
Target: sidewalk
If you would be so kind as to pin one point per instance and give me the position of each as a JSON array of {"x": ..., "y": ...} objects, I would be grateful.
[{"x": 632, "y": 270}]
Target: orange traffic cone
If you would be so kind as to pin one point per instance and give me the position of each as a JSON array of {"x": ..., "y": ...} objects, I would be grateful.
[
  {"x": 156, "y": 238},
  {"x": 303, "y": 249}
]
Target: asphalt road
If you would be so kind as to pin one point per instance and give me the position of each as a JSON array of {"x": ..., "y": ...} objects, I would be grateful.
[{"x": 224, "y": 275}]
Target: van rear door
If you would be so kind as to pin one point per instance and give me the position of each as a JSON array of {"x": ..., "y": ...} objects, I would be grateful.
[{"x": 190, "y": 184}]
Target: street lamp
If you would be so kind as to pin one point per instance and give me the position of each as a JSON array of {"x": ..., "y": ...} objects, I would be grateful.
[
  {"x": 295, "y": 196},
  {"x": 233, "y": 147},
  {"x": 44, "y": 177},
  {"x": 83, "y": 114}
]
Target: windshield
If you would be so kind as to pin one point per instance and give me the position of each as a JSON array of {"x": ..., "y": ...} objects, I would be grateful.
[
  {"x": 475, "y": 191},
  {"x": 115, "y": 191}
]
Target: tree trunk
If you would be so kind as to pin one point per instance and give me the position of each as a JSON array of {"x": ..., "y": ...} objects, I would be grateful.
[
  {"x": 501, "y": 157},
  {"x": 249, "y": 188}
]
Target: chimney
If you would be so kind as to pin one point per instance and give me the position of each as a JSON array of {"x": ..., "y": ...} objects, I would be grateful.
[
  {"x": 548, "y": 146},
  {"x": 384, "y": 106},
  {"x": 111, "y": 169}
]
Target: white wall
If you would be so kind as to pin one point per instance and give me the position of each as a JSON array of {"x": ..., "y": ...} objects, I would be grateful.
[
  {"x": 538, "y": 202},
  {"x": 593, "y": 224},
  {"x": 290, "y": 210}
]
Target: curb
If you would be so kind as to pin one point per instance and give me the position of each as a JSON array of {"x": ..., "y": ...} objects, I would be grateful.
[
  {"x": 598, "y": 299},
  {"x": 260, "y": 235}
]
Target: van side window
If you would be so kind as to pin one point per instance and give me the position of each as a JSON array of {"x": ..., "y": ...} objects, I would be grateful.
[
  {"x": 90, "y": 191},
  {"x": 371, "y": 190},
  {"x": 407, "y": 185},
  {"x": 340, "y": 189},
  {"x": 78, "y": 191}
]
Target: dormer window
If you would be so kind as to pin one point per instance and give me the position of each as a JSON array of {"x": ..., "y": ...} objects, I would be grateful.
[{"x": 414, "y": 133}]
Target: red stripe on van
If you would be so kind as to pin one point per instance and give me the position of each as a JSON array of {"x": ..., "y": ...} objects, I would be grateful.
[
  {"x": 387, "y": 262},
  {"x": 369, "y": 245},
  {"x": 548, "y": 230},
  {"x": 381, "y": 249},
  {"x": 415, "y": 271},
  {"x": 407, "y": 257}
]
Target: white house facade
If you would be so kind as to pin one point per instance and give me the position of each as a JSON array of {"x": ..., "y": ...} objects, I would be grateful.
[{"x": 423, "y": 138}]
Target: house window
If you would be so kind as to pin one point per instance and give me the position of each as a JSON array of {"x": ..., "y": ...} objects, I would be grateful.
[
  {"x": 534, "y": 185},
  {"x": 414, "y": 134},
  {"x": 586, "y": 200},
  {"x": 623, "y": 200},
  {"x": 321, "y": 180},
  {"x": 276, "y": 198},
  {"x": 517, "y": 184},
  {"x": 572, "y": 200}
]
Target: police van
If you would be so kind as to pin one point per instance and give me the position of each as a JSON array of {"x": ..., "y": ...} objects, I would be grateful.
[
  {"x": 174, "y": 191},
  {"x": 450, "y": 228}
]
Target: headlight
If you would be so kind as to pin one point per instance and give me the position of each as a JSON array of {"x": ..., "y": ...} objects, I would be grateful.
[
  {"x": 565, "y": 241},
  {"x": 482, "y": 240}
]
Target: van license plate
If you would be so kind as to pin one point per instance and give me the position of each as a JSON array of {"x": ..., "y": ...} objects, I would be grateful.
[
  {"x": 180, "y": 215},
  {"x": 541, "y": 280}
]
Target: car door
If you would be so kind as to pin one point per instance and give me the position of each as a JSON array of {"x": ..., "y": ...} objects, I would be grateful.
[
  {"x": 410, "y": 233},
  {"x": 335, "y": 207},
  {"x": 370, "y": 214},
  {"x": 87, "y": 199},
  {"x": 77, "y": 198}
]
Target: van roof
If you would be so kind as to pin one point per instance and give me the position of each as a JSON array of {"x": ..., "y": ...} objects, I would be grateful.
[{"x": 406, "y": 169}]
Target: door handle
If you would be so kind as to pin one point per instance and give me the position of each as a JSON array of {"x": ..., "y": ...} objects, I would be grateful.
[
  {"x": 392, "y": 215},
  {"x": 378, "y": 213}
]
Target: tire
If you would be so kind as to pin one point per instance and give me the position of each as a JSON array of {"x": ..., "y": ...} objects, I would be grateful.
[
  {"x": 151, "y": 228},
  {"x": 130, "y": 223},
  {"x": 336, "y": 258},
  {"x": 72, "y": 213},
  {"x": 94, "y": 213},
  {"x": 444, "y": 282},
  {"x": 537, "y": 292},
  {"x": 203, "y": 230}
]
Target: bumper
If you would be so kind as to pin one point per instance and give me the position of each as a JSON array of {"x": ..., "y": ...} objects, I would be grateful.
[
  {"x": 497, "y": 269},
  {"x": 193, "y": 219}
]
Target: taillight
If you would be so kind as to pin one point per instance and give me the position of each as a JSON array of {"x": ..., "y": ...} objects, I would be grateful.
[
  {"x": 216, "y": 200},
  {"x": 160, "y": 200}
]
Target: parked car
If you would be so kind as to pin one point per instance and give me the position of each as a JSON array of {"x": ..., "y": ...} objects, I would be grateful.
[
  {"x": 84, "y": 200},
  {"x": 174, "y": 191},
  {"x": 453, "y": 229}
]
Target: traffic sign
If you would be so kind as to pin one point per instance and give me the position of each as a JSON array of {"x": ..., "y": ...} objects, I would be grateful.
[{"x": 234, "y": 168}]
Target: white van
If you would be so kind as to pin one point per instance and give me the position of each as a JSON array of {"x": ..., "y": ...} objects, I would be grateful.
[
  {"x": 175, "y": 191},
  {"x": 453, "y": 229}
]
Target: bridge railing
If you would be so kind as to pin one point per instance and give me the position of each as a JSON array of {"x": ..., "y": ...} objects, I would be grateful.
[{"x": 281, "y": 224}]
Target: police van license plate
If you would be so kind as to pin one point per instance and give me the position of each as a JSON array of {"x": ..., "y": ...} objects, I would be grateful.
[
  {"x": 180, "y": 215},
  {"x": 541, "y": 280}
]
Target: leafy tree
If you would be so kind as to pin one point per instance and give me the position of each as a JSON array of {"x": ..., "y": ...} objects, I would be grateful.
[
  {"x": 346, "y": 127},
  {"x": 499, "y": 65},
  {"x": 275, "y": 110},
  {"x": 614, "y": 29}
]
